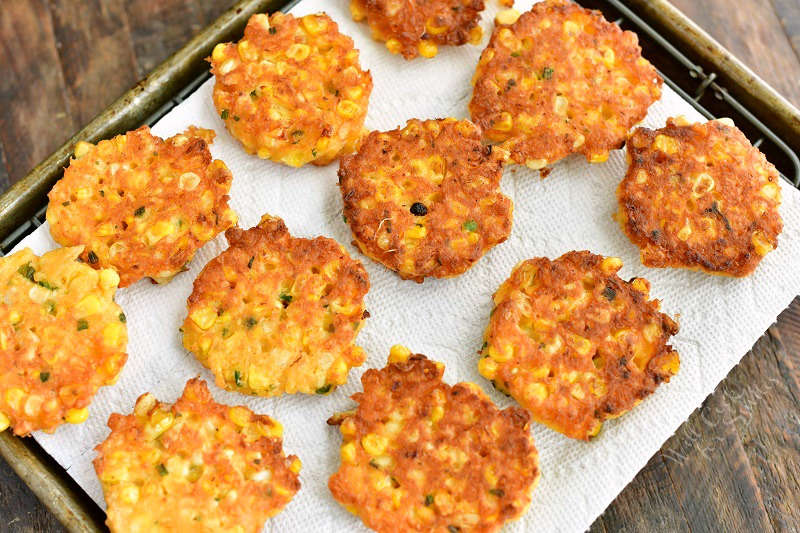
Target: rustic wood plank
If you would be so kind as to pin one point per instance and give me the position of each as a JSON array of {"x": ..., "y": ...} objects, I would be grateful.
[
  {"x": 763, "y": 395},
  {"x": 160, "y": 28},
  {"x": 752, "y": 31},
  {"x": 20, "y": 511},
  {"x": 647, "y": 504},
  {"x": 36, "y": 117},
  {"x": 788, "y": 12},
  {"x": 714, "y": 482},
  {"x": 96, "y": 52}
]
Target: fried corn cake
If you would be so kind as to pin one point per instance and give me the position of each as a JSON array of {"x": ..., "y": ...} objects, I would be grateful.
[
  {"x": 421, "y": 455},
  {"x": 194, "y": 466},
  {"x": 699, "y": 196},
  {"x": 415, "y": 28},
  {"x": 425, "y": 200},
  {"x": 292, "y": 90},
  {"x": 575, "y": 344},
  {"x": 62, "y": 337},
  {"x": 276, "y": 314},
  {"x": 560, "y": 79},
  {"x": 140, "y": 204}
]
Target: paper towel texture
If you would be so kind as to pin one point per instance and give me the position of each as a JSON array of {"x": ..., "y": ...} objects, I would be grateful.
[{"x": 720, "y": 318}]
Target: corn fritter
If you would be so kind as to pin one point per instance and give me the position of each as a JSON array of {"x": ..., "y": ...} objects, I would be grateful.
[
  {"x": 292, "y": 89},
  {"x": 699, "y": 196},
  {"x": 62, "y": 337},
  {"x": 140, "y": 204},
  {"x": 425, "y": 200},
  {"x": 194, "y": 466},
  {"x": 560, "y": 79},
  {"x": 420, "y": 455},
  {"x": 275, "y": 314},
  {"x": 574, "y": 344}
]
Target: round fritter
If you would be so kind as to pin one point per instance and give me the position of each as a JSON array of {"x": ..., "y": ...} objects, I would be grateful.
[
  {"x": 140, "y": 204},
  {"x": 420, "y": 455},
  {"x": 194, "y": 466},
  {"x": 574, "y": 344},
  {"x": 274, "y": 313},
  {"x": 62, "y": 337},
  {"x": 699, "y": 196},
  {"x": 292, "y": 89},
  {"x": 558, "y": 80},
  {"x": 416, "y": 27},
  {"x": 425, "y": 200}
]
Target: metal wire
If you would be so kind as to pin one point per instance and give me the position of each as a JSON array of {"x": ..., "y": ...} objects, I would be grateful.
[{"x": 706, "y": 82}]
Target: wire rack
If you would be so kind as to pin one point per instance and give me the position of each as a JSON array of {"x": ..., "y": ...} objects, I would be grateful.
[{"x": 686, "y": 77}]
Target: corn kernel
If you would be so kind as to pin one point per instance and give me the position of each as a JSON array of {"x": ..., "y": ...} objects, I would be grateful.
[
  {"x": 348, "y": 453},
  {"x": 536, "y": 391},
  {"x": 188, "y": 181},
  {"x": 760, "y": 243},
  {"x": 437, "y": 413},
  {"x": 109, "y": 278},
  {"x": 536, "y": 164},
  {"x": 771, "y": 191},
  {"x": 160, "y": 229},
  {"x": 219, "y": 52},
  {"x": 641, "y": 285},
  {"x": 77, "y": 416},
  {"x": 274, "y": 430},
  {"x": 204, "y": 317},
  {"x": 501, "y": 356},
  {"x": 298, "y": 51},
  {"x": 560, "y": 105},
  {"x": 427, "y": 48},
  {"x": 703, "y": 184},
  {"x": 598, "y": 157},
  {"x": 416, "y": 232},
  {"x": 81, "y": 149},
  {"x": 685, "y": 231},
  {"x": 348, "y": 108},
  {"x": 313, "y": 24},
  {"x": 399, "y": 354},
  {"x": 15, "y": 317},
  {"x": 130, "y": 494},
  {"x": 610, "y": 265},
  {"x": 296, "y": 466},
  {"x": 113, "y": 334},
  {"x": 88, "y": 305},
  {"x": 571, "y": 27},
  {"x": 504, "y": 122},
  {"x": 4, "y": 422},
  {"x": 394, "y": 46},
  {"x": 506, "y": 17},
  {"x": 487, "y": 367},
  {"x": 666, "y": 144},
  {"x": 161, "y": 421},
  {"x": 374, "y": 444},
  {"x": 433, "y": 29},
  {"x": 239, "y": 415},
  {"x": 14, "y": 397}
]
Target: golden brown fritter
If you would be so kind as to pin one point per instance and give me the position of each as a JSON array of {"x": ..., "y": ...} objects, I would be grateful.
[
  {"x": 699, "y": 196},
  {"x": 194, "y": 466},
  {"x": 274, "y": 313},
  {"x": 292, "y": 89},
  {"x": 561, "y": 79},
  {"x": 140, "y": 204},
  {"x": 62, "y": 337},
  {"x": 425, "y": 200},
  {"x": 574, "y": 344},
  {"x": 416, "y": 27},
  {"x": 420, "y": 455}
]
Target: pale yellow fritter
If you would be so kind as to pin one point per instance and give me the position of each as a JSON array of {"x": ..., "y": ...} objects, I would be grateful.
[
  {"x": 62, "y": 337},
  {"x": 416, "y": 27},
  {"x": 699, "y": 196},
  {"x": 574, "y": 344},
  {"x": 140, "y": 204},
  {"x": 425, "y": 200},
  {"x": 420, "y": 455},
  {"x": 292, "y": 90},
  {"x": 560, "y": 79},
  {"x": 276, "y": 314},
  {"x": 194, "y": 466}
]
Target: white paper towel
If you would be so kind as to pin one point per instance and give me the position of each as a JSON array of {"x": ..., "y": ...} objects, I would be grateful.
[{"x": 720, "y": 318}]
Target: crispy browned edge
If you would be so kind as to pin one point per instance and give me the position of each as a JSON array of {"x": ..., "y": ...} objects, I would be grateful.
[{"x": 22, "y": 200}]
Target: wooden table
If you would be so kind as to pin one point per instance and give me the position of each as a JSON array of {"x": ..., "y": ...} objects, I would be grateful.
[{"x": 734, "y": 466}]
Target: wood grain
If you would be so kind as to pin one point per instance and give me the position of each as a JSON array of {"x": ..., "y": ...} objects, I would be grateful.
[{"x": 733, "y": 466}]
